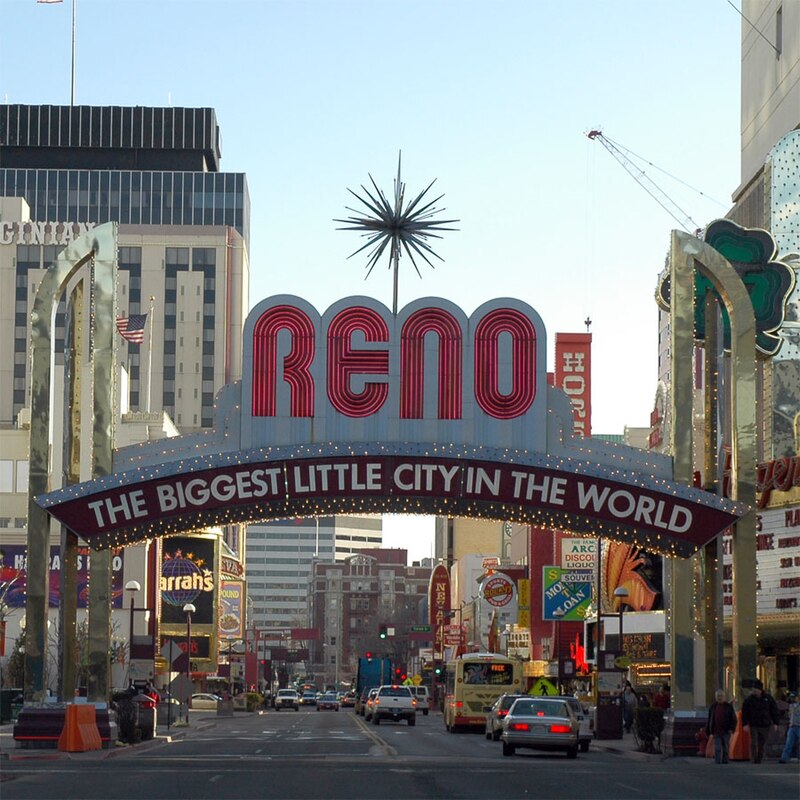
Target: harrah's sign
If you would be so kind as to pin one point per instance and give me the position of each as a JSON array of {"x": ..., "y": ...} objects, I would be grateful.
[{"x": 358, "y": 373}]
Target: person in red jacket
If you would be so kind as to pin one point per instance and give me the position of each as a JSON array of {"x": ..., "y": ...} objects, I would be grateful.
[{"x": 661, "y": 700}]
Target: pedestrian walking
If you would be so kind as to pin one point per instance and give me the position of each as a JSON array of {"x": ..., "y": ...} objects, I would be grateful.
[
  {"x": 630, "y": 700},
  {"x": 793, "y": 731},
  {"x": 721, "y": 724},
  {"x": 759, "y": 716}
]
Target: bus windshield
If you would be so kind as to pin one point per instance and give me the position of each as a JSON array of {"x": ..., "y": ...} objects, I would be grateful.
[
  {"x": 489, "y": 673},
  {"x": 472, "y": 684}
]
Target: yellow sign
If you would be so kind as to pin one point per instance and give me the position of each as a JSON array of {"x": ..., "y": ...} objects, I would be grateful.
[
  {"x": 543, "y": 687},
  {"x": 417, "y": 680}
]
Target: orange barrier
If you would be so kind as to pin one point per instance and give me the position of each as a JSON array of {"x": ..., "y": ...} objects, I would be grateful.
[
  {"x": 80, "y": 731},
  {"x": 739, "y": 749}
]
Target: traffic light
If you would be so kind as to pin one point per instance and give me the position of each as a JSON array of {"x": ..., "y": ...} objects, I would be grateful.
[
  {"x": 368, "y": 655},
  {"x": 437, "y": 668},
  {"x": 382, "y": 631}
]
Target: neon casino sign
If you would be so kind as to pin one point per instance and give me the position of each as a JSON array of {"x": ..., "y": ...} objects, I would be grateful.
[{"x": 357, "y": 410}]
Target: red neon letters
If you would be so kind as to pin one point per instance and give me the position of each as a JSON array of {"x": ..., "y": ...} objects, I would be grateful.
[{"x": 503, "y": 356}]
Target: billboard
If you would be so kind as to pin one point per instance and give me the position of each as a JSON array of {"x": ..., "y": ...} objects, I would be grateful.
[
  {"x": 13, "y": 576},
  {"x": 566, "y": 593},
  {"x": 189, "y": 575},
  {"x": 231, "y": 609}
]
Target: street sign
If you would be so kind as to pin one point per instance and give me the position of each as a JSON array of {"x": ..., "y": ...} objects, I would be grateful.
[
  {"x": 181, "y": 688},
  {"x": 420, "y": 628},
  {"x": 170, "y": 651},
  {"x": 543, "y": 687}
]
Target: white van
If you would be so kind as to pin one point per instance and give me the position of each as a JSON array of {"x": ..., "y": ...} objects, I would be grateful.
[{"x": 423, "y": 698}]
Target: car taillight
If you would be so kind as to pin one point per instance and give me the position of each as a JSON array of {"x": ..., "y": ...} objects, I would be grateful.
[
  {"x": 519, "y": 726},
  {"x": 376, "y": 701},
  {"x": 413, "y": 701},
  {"x": 502, "y": 713},
  {"x": 560, "y": 729}
]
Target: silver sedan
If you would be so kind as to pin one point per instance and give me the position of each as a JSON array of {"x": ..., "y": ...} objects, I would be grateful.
[{"x": 540, "y": 723}]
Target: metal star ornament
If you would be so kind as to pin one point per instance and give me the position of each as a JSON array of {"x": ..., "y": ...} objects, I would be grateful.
[{"x": 399, "y": 226}]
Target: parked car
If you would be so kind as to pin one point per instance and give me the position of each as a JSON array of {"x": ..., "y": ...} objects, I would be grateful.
[
  {"x": 585, "y": 726},
  {"x": 540, "y": 723},
  {"x": 494, "y": 719},
  {"x": 328, "y": 702},
  {"x": 204, "y": 701},
  {"x": 287, "y": 698},
  {"x": 424, "y": 699},
  {"x": 369, "y": 705},
  {"x": 308, "y": 699},
  {"x": 348, "y": 700}
]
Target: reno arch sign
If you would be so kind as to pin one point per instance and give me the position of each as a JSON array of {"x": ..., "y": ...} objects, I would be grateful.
[
  {"x": 357, "y": 410},
  {"x": 359, "y": 374}
]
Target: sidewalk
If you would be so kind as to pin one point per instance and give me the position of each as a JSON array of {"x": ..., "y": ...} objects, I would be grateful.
[{"x": 199, "y": 721}]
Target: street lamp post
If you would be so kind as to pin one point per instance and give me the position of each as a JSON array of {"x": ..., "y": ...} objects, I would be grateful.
[
  {"x": 621, "y": 594},
  {"x": 558, "y": 615},
  {"x": 131, "y": 587},
  {"x": 188, "y": 609}
]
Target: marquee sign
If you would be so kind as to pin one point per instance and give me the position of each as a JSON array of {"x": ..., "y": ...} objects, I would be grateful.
[
  {"x": 439, "y": 605},
  {"x": 361, "y": 411},
  {"x": 498, "y": 590}
]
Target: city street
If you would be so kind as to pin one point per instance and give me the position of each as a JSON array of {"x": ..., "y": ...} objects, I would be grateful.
[{"x": 312, "y": 754}]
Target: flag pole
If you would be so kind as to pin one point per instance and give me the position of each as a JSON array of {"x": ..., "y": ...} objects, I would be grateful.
[
  {"x": 72, "y": 83},
  {"x": 150, "y": 352}
]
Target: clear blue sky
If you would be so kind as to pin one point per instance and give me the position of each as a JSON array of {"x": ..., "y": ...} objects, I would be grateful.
[{"x": 490, "y": 98}]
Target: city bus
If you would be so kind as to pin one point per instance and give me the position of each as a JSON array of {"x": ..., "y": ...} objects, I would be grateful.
[{"x": 472, "y": 683}]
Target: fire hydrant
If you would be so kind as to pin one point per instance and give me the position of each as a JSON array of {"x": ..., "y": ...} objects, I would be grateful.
[{"x": 702, "y": 741}]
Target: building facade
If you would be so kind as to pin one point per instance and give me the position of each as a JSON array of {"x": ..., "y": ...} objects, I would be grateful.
[
  {"x": 281, "y": 556},
  {"x": 350, "y": 601},
  {"x": 183, "y": 243},
  {"x": 183, "y": 265}
]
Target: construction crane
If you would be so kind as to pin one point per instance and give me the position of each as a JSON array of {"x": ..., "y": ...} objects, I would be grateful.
[{"x": 621, "y": 154}]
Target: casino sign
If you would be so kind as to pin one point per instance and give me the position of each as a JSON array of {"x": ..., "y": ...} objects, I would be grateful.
[{"x": 357, "y": 410}]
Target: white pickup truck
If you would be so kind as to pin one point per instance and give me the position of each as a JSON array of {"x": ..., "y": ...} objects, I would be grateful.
[{"x": 395, "y": 703}]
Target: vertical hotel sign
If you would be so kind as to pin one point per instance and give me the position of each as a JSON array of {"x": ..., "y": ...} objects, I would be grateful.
[
  {"x": 189, "y": 575},
  {"x": 573, "y": 375},
  {"x": 439, "y": 604}
]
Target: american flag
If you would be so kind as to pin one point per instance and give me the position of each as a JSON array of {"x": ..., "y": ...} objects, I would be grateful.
[{"x": 132, "y": 328}]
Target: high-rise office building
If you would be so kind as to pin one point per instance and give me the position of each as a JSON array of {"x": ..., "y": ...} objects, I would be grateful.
[
  {"x": 182, "y": 261},
  {"x": 281, "y": 557},
  {"x": 183, "y": 243}
]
